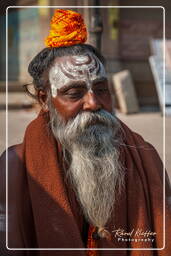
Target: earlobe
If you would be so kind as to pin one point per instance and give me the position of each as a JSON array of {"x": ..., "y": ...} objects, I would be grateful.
[{"x": 42, "y": 97}]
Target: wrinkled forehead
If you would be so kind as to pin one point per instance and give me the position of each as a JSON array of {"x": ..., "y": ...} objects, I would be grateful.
[{"x": 81, "y": 67}]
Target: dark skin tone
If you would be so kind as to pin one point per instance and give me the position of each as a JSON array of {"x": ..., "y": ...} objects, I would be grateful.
[{"x": 75, "y": 97}]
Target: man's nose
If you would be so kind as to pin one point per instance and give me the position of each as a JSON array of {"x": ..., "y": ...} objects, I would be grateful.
[{"x": 90, "y": 102}]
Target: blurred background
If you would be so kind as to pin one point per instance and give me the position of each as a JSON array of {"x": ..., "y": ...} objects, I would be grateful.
[{"x": 130, "y": 39}]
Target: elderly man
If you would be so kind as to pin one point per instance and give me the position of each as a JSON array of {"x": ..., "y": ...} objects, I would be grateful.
[{"x": 82, "y": 178}]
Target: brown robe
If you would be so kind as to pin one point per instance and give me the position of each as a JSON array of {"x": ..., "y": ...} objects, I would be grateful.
[{"x": 43, "y": 211}]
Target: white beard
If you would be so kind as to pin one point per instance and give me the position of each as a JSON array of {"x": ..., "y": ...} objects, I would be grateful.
[{"x": 97, "y": 176}]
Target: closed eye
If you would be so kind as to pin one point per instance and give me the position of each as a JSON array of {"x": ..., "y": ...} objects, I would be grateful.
[
  {"x": 100, "y": 91},
  {"x": 75, "y": 93},
  {"x": 101, "y": 87}
]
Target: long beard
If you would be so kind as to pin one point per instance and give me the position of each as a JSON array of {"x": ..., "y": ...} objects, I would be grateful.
[{"x": 95, "y": 171}]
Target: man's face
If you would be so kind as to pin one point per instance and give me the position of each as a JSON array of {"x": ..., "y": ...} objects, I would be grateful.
[
  {"x": 81, "y": 120},
  {"x": 79, "y": 83}
]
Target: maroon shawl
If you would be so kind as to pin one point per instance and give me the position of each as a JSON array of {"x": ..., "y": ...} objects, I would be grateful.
[{"x": 57, "y": 216}]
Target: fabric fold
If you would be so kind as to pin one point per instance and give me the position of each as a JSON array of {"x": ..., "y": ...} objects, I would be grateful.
[{"x": 57, "y": 215}]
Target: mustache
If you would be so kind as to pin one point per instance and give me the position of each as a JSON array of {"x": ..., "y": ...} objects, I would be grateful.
[
  {"x": 85, "y": 128},
  {"x": 87, "y": 119}
]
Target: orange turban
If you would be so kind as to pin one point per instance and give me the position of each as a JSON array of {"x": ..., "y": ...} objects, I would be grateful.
[{"x": 67, "y": 28}]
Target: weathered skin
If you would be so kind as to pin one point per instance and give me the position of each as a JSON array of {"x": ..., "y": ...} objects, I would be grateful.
[{"x": 79, "y": 83}]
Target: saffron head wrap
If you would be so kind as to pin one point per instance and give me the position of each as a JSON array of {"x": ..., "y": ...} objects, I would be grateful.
[{"x": 67, "y": 28}]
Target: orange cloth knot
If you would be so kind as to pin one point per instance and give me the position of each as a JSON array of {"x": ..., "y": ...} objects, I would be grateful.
[
  {"x": 92, "y": 243},
  {"x": 104, "y": 233},
  {"x": 67, "y": 28}
]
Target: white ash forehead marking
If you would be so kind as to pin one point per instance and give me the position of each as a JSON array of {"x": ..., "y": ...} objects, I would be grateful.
[
  {"x": 80, "y": 65},
  {"x": 85, "y": 67},
  {"x": 80, "y": 59}
]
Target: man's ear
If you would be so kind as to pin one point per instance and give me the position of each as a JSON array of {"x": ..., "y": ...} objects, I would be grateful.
[{"x": 42, "y": 98}]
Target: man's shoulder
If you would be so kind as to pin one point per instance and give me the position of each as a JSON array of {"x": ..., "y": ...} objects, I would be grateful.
[
  {"x": 13, "y": 157},
  {"x": 13, "y": 173},
  {"x": 13, "y": 154}
]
